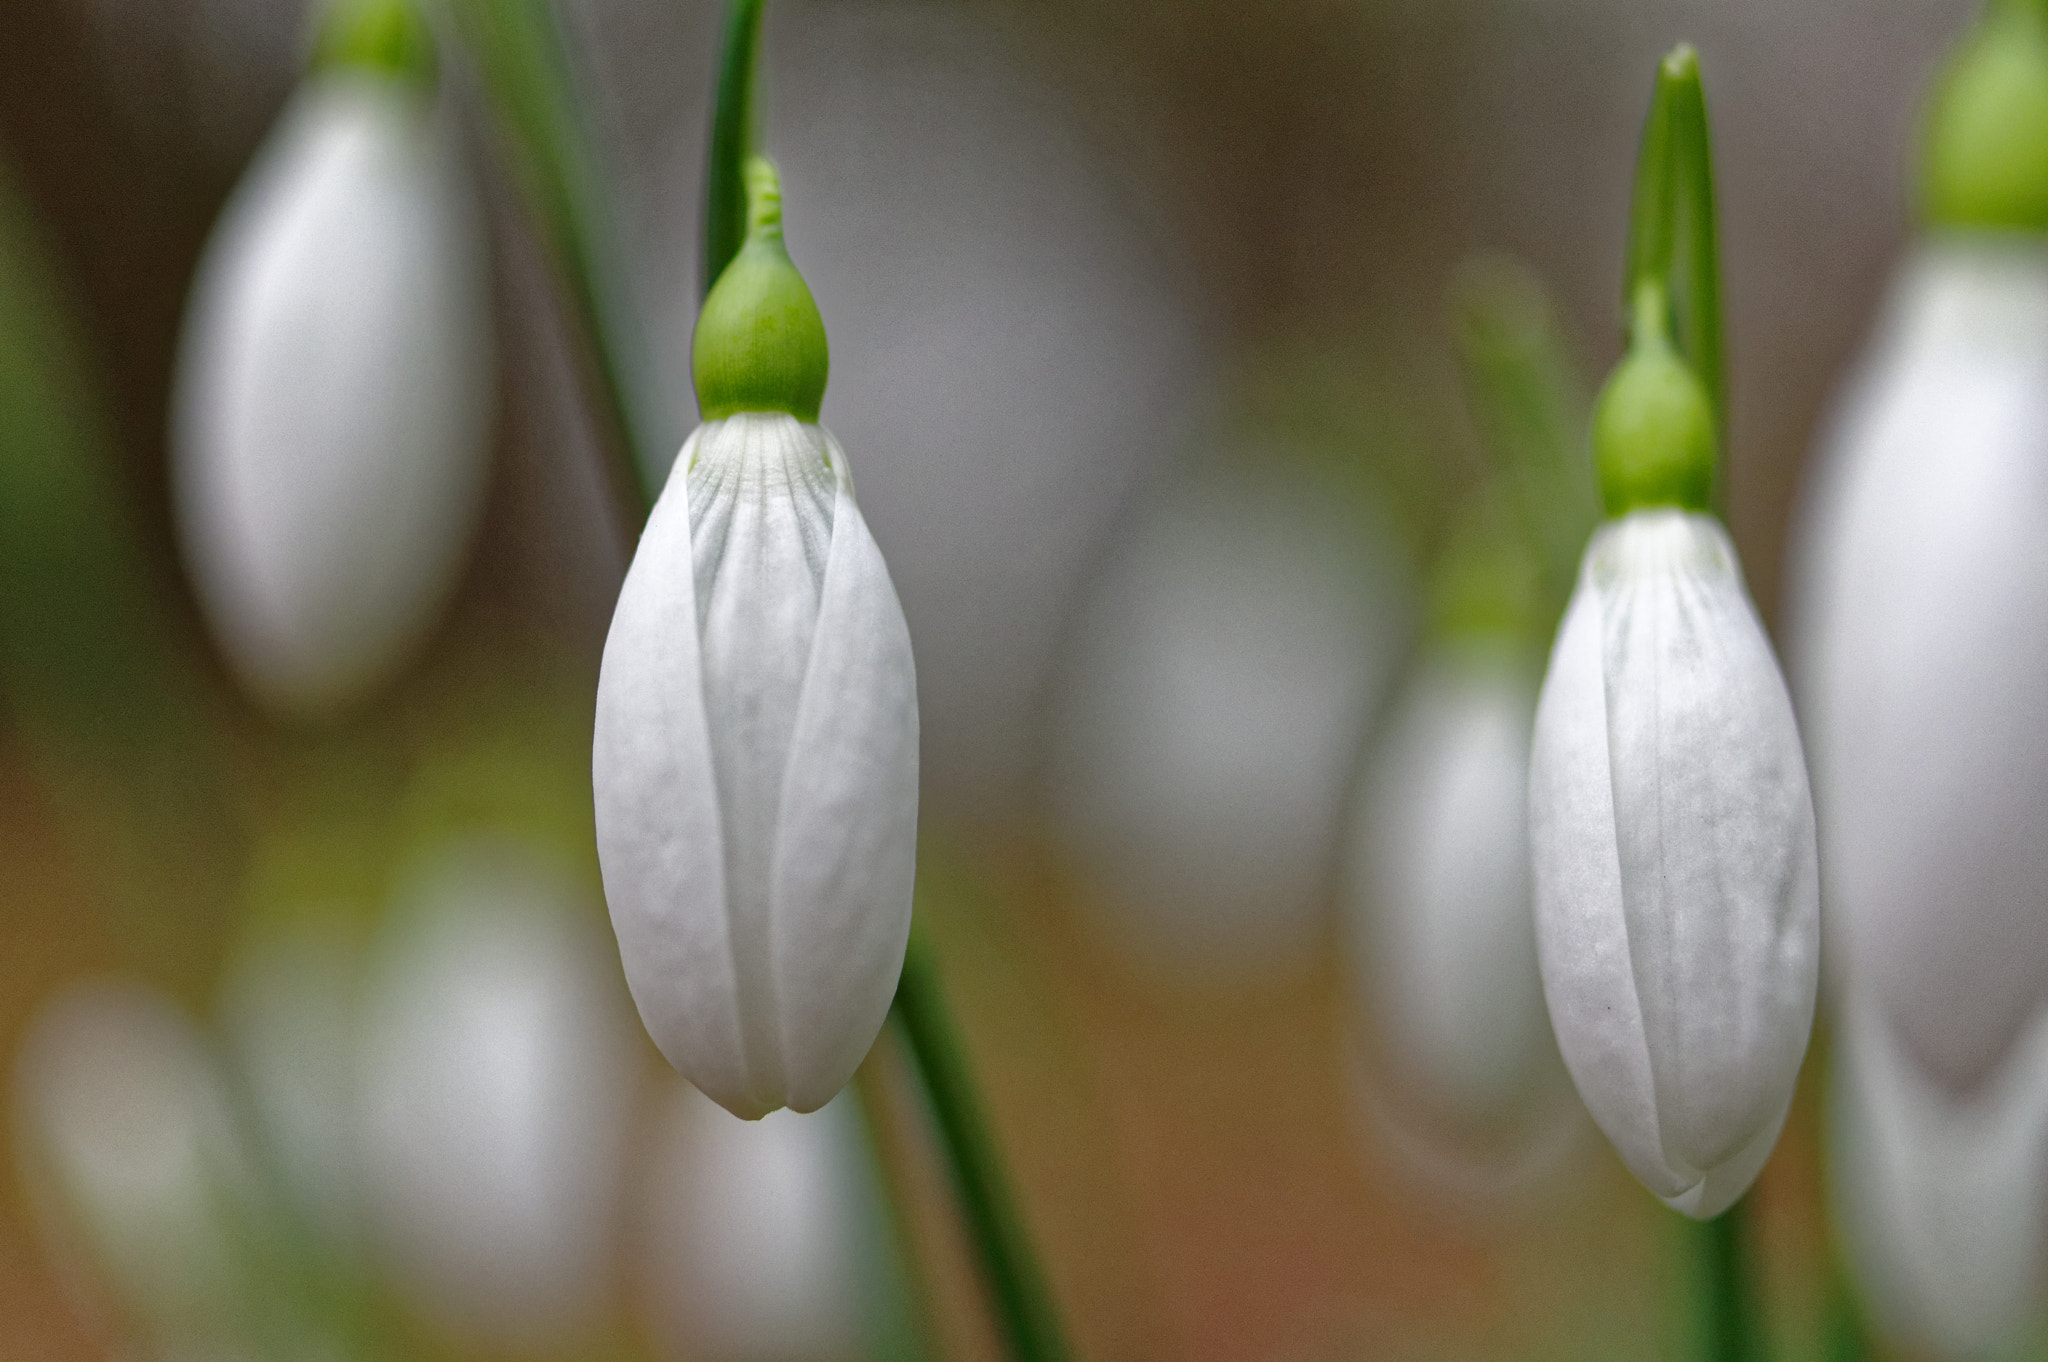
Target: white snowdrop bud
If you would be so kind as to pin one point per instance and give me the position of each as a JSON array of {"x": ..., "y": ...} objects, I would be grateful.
[
  {"x": 1939, "y": 1198},
  {"x": 1672, "y": 841},
  {"x": 1921, "y": 625},
  {"x": 1440, "y": 918},
  {"x": 333, "y": 395},
  {"x": 755, "y": 762},
  {"x": 497, "y": 1086}
]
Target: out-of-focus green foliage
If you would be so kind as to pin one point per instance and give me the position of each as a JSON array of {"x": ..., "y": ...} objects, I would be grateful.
[{"x": 104, "y": 694}]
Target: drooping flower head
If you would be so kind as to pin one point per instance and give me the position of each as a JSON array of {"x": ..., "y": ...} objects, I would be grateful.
[
  {"x": 1672, "y": 832},
  {"x": 333, "y": 397},
  {"x": 1920, "y": 592},
  {"x": 755, "y": 763}
]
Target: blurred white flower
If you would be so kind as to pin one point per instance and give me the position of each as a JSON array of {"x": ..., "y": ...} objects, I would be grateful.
[
  {"x": 497, "y": 1086},
  {"x": 129, "y": 1151},
  {"x": 333, "y": 395},
  {"x": 755, "y": 768},
  {"x": 1442, "y": 931},
  {"x": 759, "y": 1238},
  {"x": 1671, "y": 831},
  {"x": 289, "y": 1010},
  {"x": 1222, "y": 677},
  {"x": 1921, "y": 625},
  {"x": 1938, "y": 1198}
]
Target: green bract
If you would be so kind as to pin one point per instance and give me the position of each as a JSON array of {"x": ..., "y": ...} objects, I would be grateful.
[
  {"x": 388, "y": 36},
  {"x": 1653, "y": 433},
  {"x": 1985, "y": 150},
  {"x": 760, "y": 342}
]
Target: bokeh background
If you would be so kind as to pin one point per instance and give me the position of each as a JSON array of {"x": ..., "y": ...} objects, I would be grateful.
[{"x": 1082, "y": 265}]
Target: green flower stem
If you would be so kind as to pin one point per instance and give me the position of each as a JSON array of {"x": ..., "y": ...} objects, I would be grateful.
[
  {"x": 1672, "y": 240},
  {"x": 732, "y": 141},
  {"x": 1023, "y": 1308},
  {"x": 525, "y": 71},
  {"x": 1730, "y": 1322}
]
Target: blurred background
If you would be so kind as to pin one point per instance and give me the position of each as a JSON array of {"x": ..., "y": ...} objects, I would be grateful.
[{"x": 1146, "y": 324}]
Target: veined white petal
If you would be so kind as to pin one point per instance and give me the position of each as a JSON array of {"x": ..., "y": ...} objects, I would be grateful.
[
  {"x": 756, "y": 769},
  {"x": 1713, "y": 830},
  {"x": 761, "y": 496},
  {"x": 1922, "y": 624},
  {"x": 333, "y": 396},
  {"x": 1589, "y": 982},
  {"x": 660, "y": 837},
  {"x": 1441, "y": 919},
  {"x": 1676, "y": 889},
  {"x": 846, "y": 851},
  {"x": 1940, "y": 1198}
]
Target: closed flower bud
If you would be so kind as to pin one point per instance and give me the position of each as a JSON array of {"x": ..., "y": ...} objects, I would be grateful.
[
  {"x": 1440, "y": 917},
  {"x": 333, "y": 394},
  {"x": 755, "y": 762},
  {"x": 1922, "y": 629},
  {"x": 1672, "y": 841}
]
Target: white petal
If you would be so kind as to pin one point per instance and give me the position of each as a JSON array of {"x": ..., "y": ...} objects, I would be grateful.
[
  {"x": 846, "y": 855},
  {"x": 333, "y": 397},
  {"x": 1589, "y": 982},
  {"x": 1672, "y": 841},
  {"x": 1713, "y": 830},
  {"x": 1939, "y": 1199},
  {"x": 756, "y": 769},
  {"x": 659, "y": 830},
  {"x": 1440, "y": 894},
  {"x": 761, "y": 533},
  {"x": 1923, "y": 631}
]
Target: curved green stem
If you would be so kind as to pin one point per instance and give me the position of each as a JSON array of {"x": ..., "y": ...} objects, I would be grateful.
[
  {"x": 732, "y": 141},
  {"x": 1672, "y": 238},
  {"x": 1023, "y": 1308}
]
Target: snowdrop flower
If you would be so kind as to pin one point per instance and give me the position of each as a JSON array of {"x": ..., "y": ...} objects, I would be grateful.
[
  {"x": 333, "y": 393},
  {"x": 762, "y": 1237},
  {"x": 1222, "y": 676},
  {"x": 1671, "y": 831},
  {"x": 755, "y": 763},
  {"x": 1442, "y": 935},
  {"x": 496, "y": 1085},
  {"x": 1940, "y": 1198},
  {"x": 1921, "y": 596}
]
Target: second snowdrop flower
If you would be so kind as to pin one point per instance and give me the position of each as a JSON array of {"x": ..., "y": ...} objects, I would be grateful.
[
  {"x": 333, "y": 396},
  {"x": 1671, "y": 829},
  {"x": 755, "y": 762}
]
